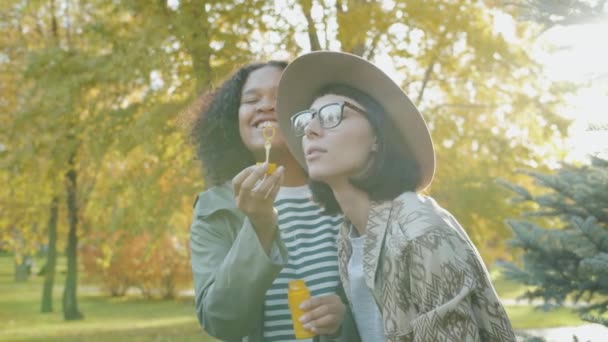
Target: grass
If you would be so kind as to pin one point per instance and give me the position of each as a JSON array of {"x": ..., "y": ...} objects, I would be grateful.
[
  {"x": 106, "y": 319},
  {"x": 506, "y": 288},
  {"x": 136, "y": 319},
  {"x": 527, "y": 317}
]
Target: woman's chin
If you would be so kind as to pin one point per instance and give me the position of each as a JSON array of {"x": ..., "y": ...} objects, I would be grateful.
[
  {"x": 315, "y": 174},
  {"x": 319, "y": 174}
]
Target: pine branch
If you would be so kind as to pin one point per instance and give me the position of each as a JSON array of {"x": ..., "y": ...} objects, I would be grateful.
[
  {"x": 601, "y": 308},
  {"x": 571, "y": 262},
  {"x": 596, "y": 319},
  {"x": 521, "y": 191}
]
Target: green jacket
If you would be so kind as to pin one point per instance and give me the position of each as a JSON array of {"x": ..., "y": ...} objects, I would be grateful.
[{"x": 232, "y": 272}]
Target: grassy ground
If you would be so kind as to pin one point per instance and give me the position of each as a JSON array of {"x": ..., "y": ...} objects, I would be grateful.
[
  {"x": 526, "y": 316},
  {"x": 135, "y": 319},
  {"x": 106, "y": 319},
  {"x": 506, "y": 289}
]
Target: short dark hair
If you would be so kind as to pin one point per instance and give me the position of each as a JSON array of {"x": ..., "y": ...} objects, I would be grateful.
[
  {"x": 394, "y": 169},
  {"x": 215, "y": 132}
]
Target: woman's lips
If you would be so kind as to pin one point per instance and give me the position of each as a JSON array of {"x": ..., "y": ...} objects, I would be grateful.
[{"x": 314, "y": 153}]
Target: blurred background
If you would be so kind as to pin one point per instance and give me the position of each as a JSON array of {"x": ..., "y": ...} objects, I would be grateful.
[{"x": 97, "y": 177}]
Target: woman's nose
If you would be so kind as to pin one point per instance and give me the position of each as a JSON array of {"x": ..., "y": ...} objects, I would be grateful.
[
  {"x": 313, "y": 127},
  {"x": 266, "y": 104}
]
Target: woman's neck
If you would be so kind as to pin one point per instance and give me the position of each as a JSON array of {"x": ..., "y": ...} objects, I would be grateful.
[
  {"x": 294, "y": 173},
  {"x": 354, "y": 203}
]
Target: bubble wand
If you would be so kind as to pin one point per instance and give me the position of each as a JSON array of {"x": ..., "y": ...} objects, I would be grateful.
[{"x": 268, "y": 132}]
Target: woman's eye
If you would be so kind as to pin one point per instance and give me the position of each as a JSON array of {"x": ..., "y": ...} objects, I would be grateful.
[{"x": 250, "y": 100}]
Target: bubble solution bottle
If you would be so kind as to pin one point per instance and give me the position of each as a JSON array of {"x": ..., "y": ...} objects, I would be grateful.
[{"x": 298, "y": 293}]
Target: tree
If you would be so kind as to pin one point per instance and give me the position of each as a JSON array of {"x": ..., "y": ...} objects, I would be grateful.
[
  {"x": 100, "y": 83},
  {"x": 95, "y": 90},
  {"x": 487, "y": 103},
  {"x": 550, "y": 13},
  {"x": 566, "y": 254}
]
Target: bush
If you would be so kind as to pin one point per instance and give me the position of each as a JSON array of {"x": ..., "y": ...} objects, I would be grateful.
[{"x": 157, "y": 265}]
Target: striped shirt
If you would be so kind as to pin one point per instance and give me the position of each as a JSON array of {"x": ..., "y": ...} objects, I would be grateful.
[{"x": 310, "y": 238}]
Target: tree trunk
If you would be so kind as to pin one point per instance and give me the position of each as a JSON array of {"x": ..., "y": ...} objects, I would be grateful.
[
  {"x": 70, "y": 299},
  {"x": 22, "y": 269},
  {"x": 22, "y": 260},
  {"x": 313, "y": 37},
  {"x": 353, "y": 40},
  {"x": 196, "y": 40},
  {"x": 51, "y": 257}
]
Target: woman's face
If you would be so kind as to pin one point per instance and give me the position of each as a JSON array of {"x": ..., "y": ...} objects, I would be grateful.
[
  {"x": 257, "y": 109},
  {"x": 341, "y": 152}
]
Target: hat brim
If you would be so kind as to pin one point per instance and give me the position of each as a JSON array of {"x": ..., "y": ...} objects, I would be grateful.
[{"x": 309, "y": 73}]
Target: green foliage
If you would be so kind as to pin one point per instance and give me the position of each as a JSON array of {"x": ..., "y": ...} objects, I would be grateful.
[
  {"x": 489, "y": 107},
  {"x": 570, "y": 262},
  {"x": 99, "y": 87},
  {"x": 550, "y": 13},
  {"x": 98, "y": 90}
]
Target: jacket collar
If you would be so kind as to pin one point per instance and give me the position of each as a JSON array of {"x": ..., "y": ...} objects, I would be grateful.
[
  {"x": 377, "y": 224},
  {"x": 215, "y": 199}
]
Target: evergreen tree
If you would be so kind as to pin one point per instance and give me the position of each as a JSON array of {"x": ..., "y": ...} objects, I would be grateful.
[{"x": 565, "y": 239}]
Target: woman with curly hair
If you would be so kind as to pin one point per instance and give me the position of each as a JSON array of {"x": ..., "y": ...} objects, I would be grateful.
[{"x": 255, "y": 230}]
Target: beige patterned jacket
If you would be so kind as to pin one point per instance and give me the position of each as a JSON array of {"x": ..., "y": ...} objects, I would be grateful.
[{"x": 426, "y": 275}]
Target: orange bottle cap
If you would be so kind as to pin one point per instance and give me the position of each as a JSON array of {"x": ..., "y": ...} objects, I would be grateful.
[{"x": 297, "y": 284}]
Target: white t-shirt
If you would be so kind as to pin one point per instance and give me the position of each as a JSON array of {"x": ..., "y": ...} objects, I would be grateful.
[{"x": 366, "y": 311}]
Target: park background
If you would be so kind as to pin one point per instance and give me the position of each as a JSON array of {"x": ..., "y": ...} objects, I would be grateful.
[{"x": 97, "y": 176}]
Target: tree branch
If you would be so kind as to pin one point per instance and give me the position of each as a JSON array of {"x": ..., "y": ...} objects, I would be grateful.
[
  {"x": 429, "y": 70},
  {"x": 325, "y": 25},
  {"x": 371, "y": 52},
  {"x": 54, "y": 28},
  {"x": 427, "y": 77},
  {"x": 68, "y": 33},
  {"x": 313, "y": 37}
]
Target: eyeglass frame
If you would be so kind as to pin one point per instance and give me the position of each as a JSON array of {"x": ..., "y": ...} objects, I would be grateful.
[{"x": 315, "y": 112}]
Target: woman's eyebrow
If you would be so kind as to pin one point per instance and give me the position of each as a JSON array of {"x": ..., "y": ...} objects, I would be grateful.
[{"x": 250, "y": 91}]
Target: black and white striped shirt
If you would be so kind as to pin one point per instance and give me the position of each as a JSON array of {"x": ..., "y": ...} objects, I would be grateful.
[{"x": 310, "y": 238}]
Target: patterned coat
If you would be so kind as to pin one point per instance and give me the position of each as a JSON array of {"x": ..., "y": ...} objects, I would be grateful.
[{"x": 426, "y": 275}]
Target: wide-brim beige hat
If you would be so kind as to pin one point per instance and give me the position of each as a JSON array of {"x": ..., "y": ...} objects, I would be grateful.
[{"x": 308, "y": 74}]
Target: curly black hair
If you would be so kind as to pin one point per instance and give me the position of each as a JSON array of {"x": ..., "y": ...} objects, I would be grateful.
[{"x": 215, "y": 132}]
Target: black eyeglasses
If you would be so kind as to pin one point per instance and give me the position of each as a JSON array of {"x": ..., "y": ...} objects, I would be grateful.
[{"x": 329, "y": 115}]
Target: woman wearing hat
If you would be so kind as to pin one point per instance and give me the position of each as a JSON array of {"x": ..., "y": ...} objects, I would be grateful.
[
  {"x": 410, "y": 271},
  {"x": 252, "y": 232}
]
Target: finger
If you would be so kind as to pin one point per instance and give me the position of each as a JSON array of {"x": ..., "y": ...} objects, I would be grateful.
[
  {"x": 257, "y": 173},
  {"x": 239, "y": 178},
  {"x": 315, "y": 314},
  {"x": 261, "y": 184},
  {"x": 315, "y": 302},
  {"x": 268, "y": 183},
  {"x": 264, "y": 186},
  {"x": 321, "y": 306},
  {"x": 273, "y": 184},
  {"x": 327, "y": 324}
]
